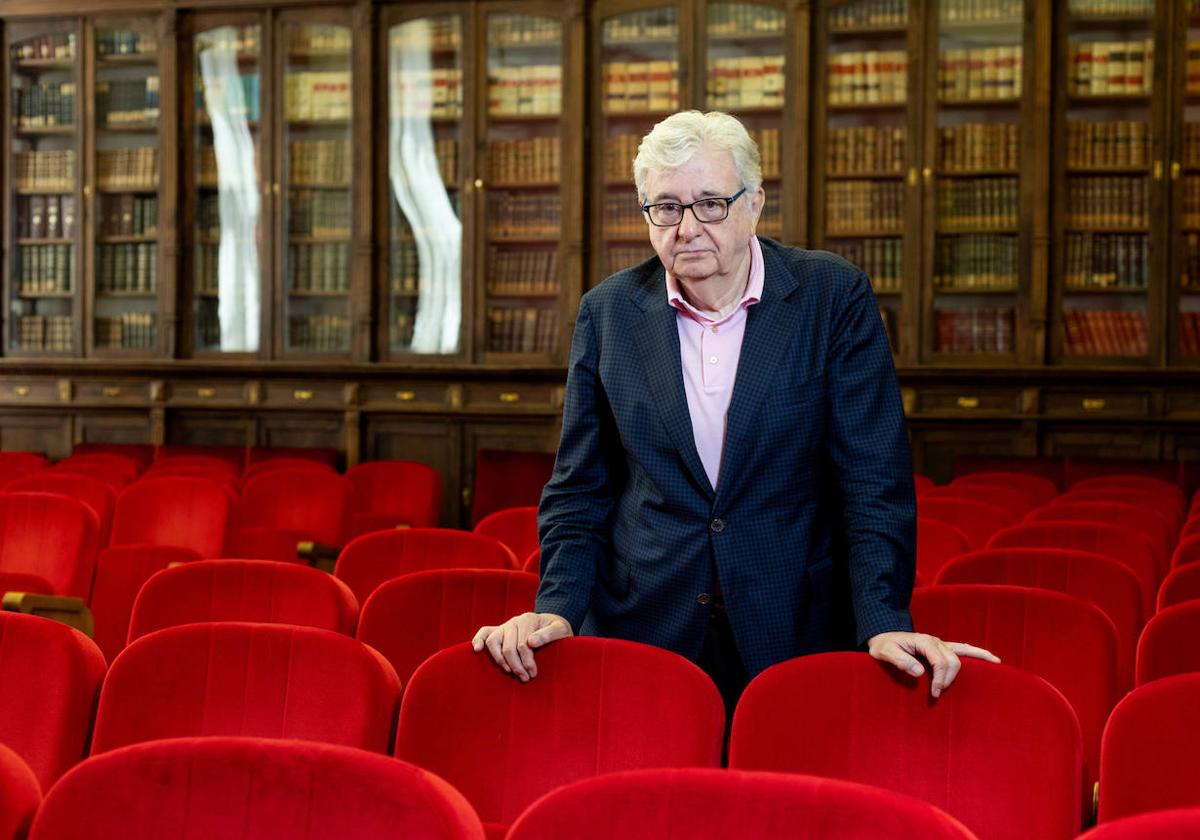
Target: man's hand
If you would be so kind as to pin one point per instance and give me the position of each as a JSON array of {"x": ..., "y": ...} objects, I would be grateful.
[
  {"x": 901, "y": 650},
  {"x": 512, "y": 643}
]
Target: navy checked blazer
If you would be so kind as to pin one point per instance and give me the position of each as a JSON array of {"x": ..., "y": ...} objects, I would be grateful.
[{"x": 811, "y": 531}]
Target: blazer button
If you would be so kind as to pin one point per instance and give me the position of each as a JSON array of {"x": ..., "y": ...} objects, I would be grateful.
[
  {"x": 704, "y": 599},
  {"x": 717, "y": 526}
]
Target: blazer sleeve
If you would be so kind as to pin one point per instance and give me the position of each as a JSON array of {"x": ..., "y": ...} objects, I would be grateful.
[
  {"x": 872, "y": 464},
  {"x": 578, "y": 501}
]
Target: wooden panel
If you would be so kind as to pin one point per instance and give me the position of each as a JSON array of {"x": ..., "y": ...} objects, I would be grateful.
[
  {"x": 967, "y": 402},
  {"x": 301, "y": 394},
  {"x": 1183, "y": 404},
  {"x": 14, "y": 391},
  {"x": 936, "y": 446},
  {"x": 198, "y": 428},
  {"x": 1111, "y": 442},
  {"x": 513, "y": 397},
  {"x": 1095, "y": 403},
  {"x": 112, "y": 392},
  {"x": 113, "y": 428},
  {"x": 407, "y": 396},
  {"x": 28, "y": 432},
  {"x": 438, "y": 444},
  {"x": 207, "y": 393},
  {"x": 301, "y": 430}
]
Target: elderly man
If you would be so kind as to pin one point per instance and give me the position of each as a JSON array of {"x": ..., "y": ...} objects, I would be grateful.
[{"x": 734, "y": 481}]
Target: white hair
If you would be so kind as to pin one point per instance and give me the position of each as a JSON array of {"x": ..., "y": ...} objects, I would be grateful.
[{"x": 673, "y": 141}]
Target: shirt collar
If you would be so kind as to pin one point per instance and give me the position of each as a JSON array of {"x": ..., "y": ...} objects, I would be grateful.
[{"x": 752, "y": 295}]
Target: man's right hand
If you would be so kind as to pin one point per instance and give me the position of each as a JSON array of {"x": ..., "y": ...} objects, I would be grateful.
[{"x": 512, "y": 643}]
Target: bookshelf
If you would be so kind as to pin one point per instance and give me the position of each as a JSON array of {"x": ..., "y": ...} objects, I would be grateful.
[{"x": 1183, "y": 170}]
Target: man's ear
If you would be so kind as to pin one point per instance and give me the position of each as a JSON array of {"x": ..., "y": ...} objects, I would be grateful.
[{"x": 758, "y": 202}]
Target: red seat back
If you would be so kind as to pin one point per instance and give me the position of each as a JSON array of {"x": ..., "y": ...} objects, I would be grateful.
[
  {"x": 977, "y": 520},
  {"x": 98, "y": 496},
  {"x": 1156, "y": 825},
  {"x": 390, "y": 493},
  {"x": 922, "y": 483},
  {"x": 515, "y": 527},
  {"x": 1148, "y": 522},
  {"x": 1170, "y": 508},
  {"x": 1040, "y": 490},
  {"x": 1188, "y": 551},
  {"x": 321, "y": 454},
  {"x": 142, "y": 453},
  {"x": 177, "y": 511},
  {"x": 1014, "y": 501},
  {"x": 20, "y": 795},
  {"x": 1084, "y": 469},
  {"x": 213, "y": 463},
  {"x": 937, "y": 543},
  {"x": 48, "y": 538},
  {"x": 1181, "y": 585},
  {"x": 505, "y": 479},
  {"x": 273, "y": 464},
  {"x": 235, "y": 456},
  {"x": 310, "y": 503},
  {"x": 1051, "y": 468},
  {"x": 1169, "y": 643}
]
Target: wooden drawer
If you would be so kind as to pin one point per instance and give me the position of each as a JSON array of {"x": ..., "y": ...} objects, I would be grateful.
[
  {"x": 299, "y": 394},
  {"x": 965, "y": 402},
  {"x": 513, "y": 397},
  {"x": 31, "y": 391},
  {"x": 201, "y": 393},
  {"x": 1092, "y": 403},
  {"x": 1183, "y": 404},
  {"x": 112, "y": 392},
  {"x": 406, "y": 396}
]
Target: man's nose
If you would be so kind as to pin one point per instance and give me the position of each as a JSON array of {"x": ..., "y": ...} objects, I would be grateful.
[{"x": 690, "y": 227}]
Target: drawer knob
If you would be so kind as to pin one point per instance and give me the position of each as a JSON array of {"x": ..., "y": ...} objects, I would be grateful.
[
  {"x": 302, "y": 395},
  {"x": 406, "y": 396},
  {"x": 968, "y": 402},
  {"x": 21, "y": 390},
  {"x": 111, "y": 391},
  {"x": 206, "y": 393},
  {"x": 1093, "y": 404},
  {"x": 509, "y": 397}
]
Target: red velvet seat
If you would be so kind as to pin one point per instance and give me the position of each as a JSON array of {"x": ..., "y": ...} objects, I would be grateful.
[
  {"x": 212, "y": 463},
  {"x": 243, "y": 590},
  {"x": 1172, "y": 824},
  {"x": 217, "y": 475},
  {"x": 50, "y": 676},
  {"x": 922, "y": 484},
  {"x": 391, "y": 493},
  {"x": 596, "y": 706},
  {"x": 707, "y": 804},
  {"x": 280, "y": 509},
  {"x": 141, "y": 453},
  {"x": 410, "y": 618},
  {"x": 999, "y": 750},
  {"x": 1039, "y": 489},
  {"x": 20, "y": 795},
  {"x": 1079, "y": 470},
  {"x": 1170, "y": 643},
  {"x": 235, "y": 456},
  {"x": 251, "y": 788},
  {"x": 1180, "y": 586},
  {"x": 937, "y": 543},
  {"x": 1150, "y": 523},
  {"x": 1191, "y": 527},
  {"x": 48, "y": 544},
  {"x": 273, "y": 464},
  {"x": 1187, "y": 551},
  {"x": 1160, "y": 480},
  {"x": 98, "y": 496},
  {"x": 232, "y": 678},
  {"x": 371, "y": 559},
  {"x": 515, "y": 527},
  {"x": 23, "y": 461},
  {"x": 175, "y": 511},
  {"x": 1168, "y": 507},
  {"x": 1051, "y": 468},
  {"x": 1148, "y": 757},
  {"x": 505, "y": 479},
  {"x": 1063, "y": 639},
  {"x": 326, "y": 455},
  {"x": 1014, "y": 501},
  {"x": 114, "y": 471},
  {"x": 977, "y": 520},
  {"x": 533, "y": 563}
]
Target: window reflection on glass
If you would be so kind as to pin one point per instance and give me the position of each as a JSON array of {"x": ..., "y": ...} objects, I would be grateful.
[
  {"x": 229, "y": 208},
  {"x": 426, "y": 234}
]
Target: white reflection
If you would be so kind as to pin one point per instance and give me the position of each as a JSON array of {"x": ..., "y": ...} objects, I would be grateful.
[
  {"x": 237, "y": 190},
  {"x": 418, "y": 190}
]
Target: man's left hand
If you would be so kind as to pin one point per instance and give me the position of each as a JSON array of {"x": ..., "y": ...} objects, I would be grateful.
[{"x": 902, "y": 649}]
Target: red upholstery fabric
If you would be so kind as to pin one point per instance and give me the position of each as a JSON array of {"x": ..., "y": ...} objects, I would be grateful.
[
  {"x": 373, "y": 558},
  {"x": 49, "y": 677},
  {"x": 1000, "y": 750},
  {"x": 1063, "y": 639},
  {"x": 533, "y": 563},
  {"x": 1082, "y": 469},
  {"x": 49, "y": 537},
  {"x": 596, "y": 706},
  {"x": 1039, "y": 489},
  {"x": 707, "y": 804},
  {"x": 410, "y": 618},
  {"x": 98, "y": 496},
  {"x": 1096, "y": 579},
  {"x": 1151, "y": 524},
  {"x": 127, "y": 468},
  {"x": 277, "y": 544},
  {"x": 235, "y": 456},
  {"x": 120, "y": 572},
  {"x": 1148, "y": 758},
  {"x": 977, "y": 520},
  {"x": 1181, "y": 586},
  {"x": 243, "y": 590},
  {"x": 505, "y": 479},
  {"x": 213, "y": 463},
  {"x": 937, "y": 543},
  {"x": 322, "y": 454},
  {"x": 1188, "y": 551},
  {"x": 1126, "y": 547},
  {"x": 1191, "y": 527},
  {"x": 99, "y": 472},
  {"x": 273, "y": 464},
  {"x": 20, "y": 795},
  {"x": 230, "y": 678},
  {"x": 1173, "y": 824},
  {"x": 218, "y": 475},
  {"x": 1157, "y": 476},
  {"x": 142, "y": 453},
  {"x": 1169, "y": 643},
  {"x": 1167, "y": 506},
  {"x": 1049, "y": 467},
  {"x": 23, "y": 461},
  {"x": 185, "y": 512},
  {"x": 391, "y": 493},
  {"x": 310, "y": 503},
  {"x": 922, "y": 483},
  {"x": 515, "y": 527},
  {"x": 251, "y": 787},
  {"x": 1014, "y": 501}
]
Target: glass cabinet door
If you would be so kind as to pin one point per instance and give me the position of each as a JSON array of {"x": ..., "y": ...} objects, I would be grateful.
[
  {"x": 124, "y": 208},
  {"x": 1187, "y": 243},
  {"x": 44, "y": 187},
  {"x": 424, "y": 185},
  {"x": 317, "y": 196},
  {"x": 227, "y": 176}
]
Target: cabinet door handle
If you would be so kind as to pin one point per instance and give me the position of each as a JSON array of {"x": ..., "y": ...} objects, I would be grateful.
[
  {"x": 406, "y": 396},
  {"x": 967, "y": 402},
  {"x": 302, "y": 395},
  {"x": 1093, "y": 404},
  {"x": 21, "y": 391},
  {"x": 1175, "y": 170},
  {"x": 1158, "y": 170},
  {"x": 912, "y": 176},
  {"x": 111, "y": 391},
  {"x": 206, "y": 393},
  {"x": 509, "y": 397}
]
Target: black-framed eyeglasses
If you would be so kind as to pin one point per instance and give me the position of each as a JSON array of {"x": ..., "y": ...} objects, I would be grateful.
[{"x": 706, "y": 210}]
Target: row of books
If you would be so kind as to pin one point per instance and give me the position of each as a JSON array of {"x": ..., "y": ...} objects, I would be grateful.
[
  {"x": 1189, "y": 333},
  {"x": 122, "y": 102},
  {"x": 978, "y": 203},
  {"x": 233, "y": 39},
  {"x": 869, "y": 14},
  {"x": 1191, "y": 201},
  {"x": 522, "y": 30},
  {"x": 729, "y": 20},
  {"x": 319, "y": 333},
  {"x": 636, "y": 86},
  {"x": 1119, "y": 143},
  {"x": 525, "y": 330},
  {"x": 59, "y": 46},
  {"x": 980, "y": 262},
  {"x": 1108, "y": 202},
  {"x": 864, "y": 206},
  {"x": 208, "y": 325},
  {"x": 1108, "y": 67},
  {"x": 533, "y": 160},
  {"x": 1191, "y": 144},
  {"x": 973, "y": 11},
  {"x": 769, "y": 146},
  {"x": 986, "y": 329},
  {"x": 127, "y": 331},
  {"x": 746, "y": 82},
  {"x": 124, "y": 42},
  {"x": 620, "y": 257},
  {"x": 320, "y": 163},
  {"x": 127, "y": 169},
  {"x": 46, "y": 170},
  {"x": 45, "y": 217},
  {"x": 445, "y": 149},
  {"x": 517, "y": 216},
  {"x": 1092, "y": 332},
  {"x": 770, "y": 223},
  {"x": 319, "y": 213},
  {"x": 207, "y": 270},
  {"x": 46, "y": 269},
  {"x": 127, "y": 268},
  {"x": 317, "y": 95},
  {"x": 1107, "y": 261},
  {"x": 1192, "y": 68},
  {"x": 881, "y": 259},
  {"x": 641, "y": 27},
  {"x": 430, "y": 33},
  {"x": 865, "y": 150},
  {"x": 404, "y": 268},
  {"x": 44, "y": 104},
  {"x": 238, "y": 99},
  {"x": 319, "y": 268},
  {"x": 619, "y": 152},
  {"x": 316, "y": 39},
  {"x": 973, "y": 146},
  {"x": 531, "y": 90},
  {"x": 622, "y": 215},
  {"x": 208, "y": 176},
  {"x": 127, "y": 215},
  {"x": 1111, "y": 8},
  {"x": 522, "y": 272},
  {"x": 864, "y": 77},
  {"x": 208, "y": 215},
  {"x": 979, "y": 74},
  {"x": 436, "y": 93},
  {"x": 52, "y": 333}
]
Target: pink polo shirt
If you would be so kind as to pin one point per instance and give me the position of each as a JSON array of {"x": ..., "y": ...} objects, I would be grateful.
[{"x": 709, "y": 351}]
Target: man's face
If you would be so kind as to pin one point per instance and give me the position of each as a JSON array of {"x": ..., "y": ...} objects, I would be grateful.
[{"x": 692, "y": 250}]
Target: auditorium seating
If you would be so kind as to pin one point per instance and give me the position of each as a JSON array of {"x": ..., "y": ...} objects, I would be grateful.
[
  {"x": 1187, "y": 551},
  {"x": 231, "y": 678},
  {"x": 1171, "y": 509},
  {"x": 533, "y": 563},
  {"x": 49, "y": 678},
  {"x": 243, "y": 590},
  {"x": 977, "y": 520},
  {"x": 1170, "y": 643},
  {"x": 216, "y": 475},
  {"x": 706, "y": 804},
  {"x": 1051, "y": 468},
  {"x": 211, "y": 463},
  {"x": 596, "y": 706},
  {"x": 21, "y": 463},
  {"x": 999, "y": 750},
  {"x": 387, "y": 494},
  {"x": 410, "y": 618},
  {"x": 515, "y": 527},
  {"x": 20, "y": 795},
  {"x": 505, "y": 479},
  {"x": 96, "y": 495},
  {"x": 280, "y": 509},
  {"x": 1148, "y": 757},
  {"x": 113, "y": 470},
  {"x": 922, "y": 484},
  {"x": 371, "y": 559},
  {"x": 251, "y": 788},
  {"x": 322, "y": 454},
  {"x": 1180, "y": 586},
  {"x": 184, "y": 512},
  {"x": 1149, "y": 523},
  {"x": 937, "y": 543},
  {"x": 1014, "y": 501},
  {"x": 1040, "y": 490},
  {"x": 235, "y": 456},
  {"x": 140, "y": 453},
  {"x": 274, "y": 464},
  {"x": 1172, "y": 824},
  {"x": 48, "y": 544},
  {"x": 1079, "y": 470}
]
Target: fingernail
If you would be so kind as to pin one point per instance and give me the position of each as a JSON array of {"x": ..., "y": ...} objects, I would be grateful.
[
  {"x": 915, "y": 670},
  {"x": 524, "y": 678},
  {"x": 937, "y": 692}
]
